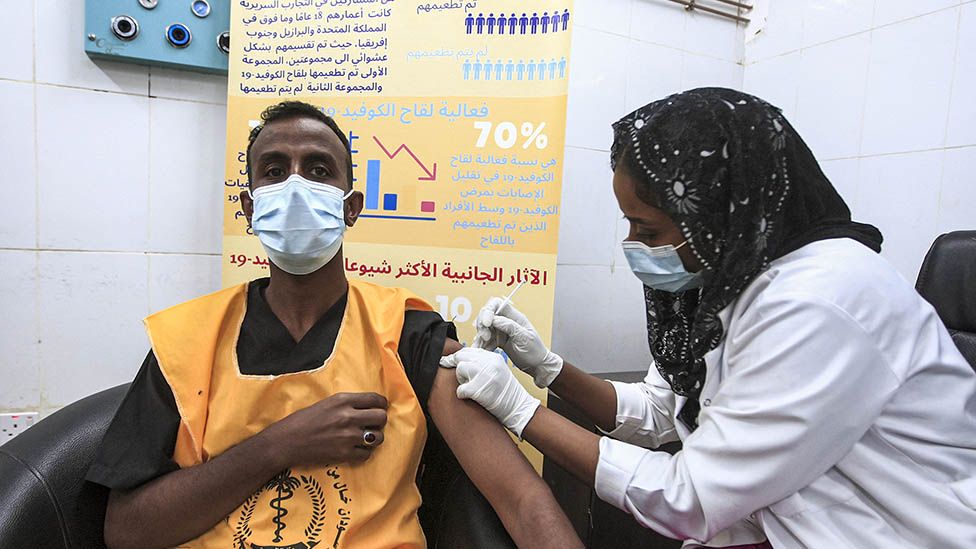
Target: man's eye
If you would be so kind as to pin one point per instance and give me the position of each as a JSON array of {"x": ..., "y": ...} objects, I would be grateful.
[
  {"x": 274, "y": 172},
  {"x": 320, "y": 171}
]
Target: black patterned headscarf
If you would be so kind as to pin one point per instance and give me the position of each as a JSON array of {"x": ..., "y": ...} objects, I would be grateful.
[{"x": 744, "y": 189}]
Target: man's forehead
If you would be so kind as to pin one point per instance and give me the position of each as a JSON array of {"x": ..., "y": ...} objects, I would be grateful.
[{"x": 304, "y": 132}]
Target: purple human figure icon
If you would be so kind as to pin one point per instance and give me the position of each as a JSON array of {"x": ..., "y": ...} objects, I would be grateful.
[
  {"x": 488, "y": 67},
  {"x": 520, "y": 69},
  {"x": 545, "y": 22},
  {"x": 552, "y": 69},
  {"x": 468, "y": 23},
  {"x": 477, "y": 70},
  {"x": 565, "y": 19},
  {"x": 554, "y": 21},
  {"x": 541, "y": 67},
  {"x": 531, "y": 69},
  {"x": 523, "y": 21},
  {"x": 480, "y": 22},
  {"x": 502, "y": 21},
  {"x": 499, "y": 67},
  {"x": 467, "y": 69},
  {"x": 509, "y": 69},
  {"x": 562, "y": 68},
  {"x": 491, "y": 23},
  {"x": 534, "y": 23},
  {"x": 512, "y": 22}
]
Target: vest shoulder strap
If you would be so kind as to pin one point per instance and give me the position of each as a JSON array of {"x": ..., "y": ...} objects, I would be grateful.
[{"x": 184, "y": 339}]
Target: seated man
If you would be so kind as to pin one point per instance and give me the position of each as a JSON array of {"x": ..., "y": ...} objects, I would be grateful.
[{"x": 290, "y": 411}]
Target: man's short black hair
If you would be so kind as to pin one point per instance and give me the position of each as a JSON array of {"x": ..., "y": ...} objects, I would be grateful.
[{"x": 297, "y": 109}]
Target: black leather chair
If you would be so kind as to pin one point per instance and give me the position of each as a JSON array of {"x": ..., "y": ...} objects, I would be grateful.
[
  {"x": 46, "y": 502},
  {"x": 947, "y": 280}
]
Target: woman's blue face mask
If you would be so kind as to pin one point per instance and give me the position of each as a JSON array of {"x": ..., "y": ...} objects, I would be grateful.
[{"x": 660, "y": 267}]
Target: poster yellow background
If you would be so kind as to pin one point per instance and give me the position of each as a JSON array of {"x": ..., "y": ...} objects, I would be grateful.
[{"x": 457, "y": 139}]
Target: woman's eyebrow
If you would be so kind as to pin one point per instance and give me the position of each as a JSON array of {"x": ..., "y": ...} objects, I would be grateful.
[{"x": 639, "y": 219}]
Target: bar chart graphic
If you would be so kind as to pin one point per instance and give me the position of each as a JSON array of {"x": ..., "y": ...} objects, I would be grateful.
[{"x": 389, "y": 203}]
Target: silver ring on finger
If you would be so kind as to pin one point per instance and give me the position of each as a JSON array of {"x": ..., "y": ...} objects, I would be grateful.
[{"x": 370, "y": 439}]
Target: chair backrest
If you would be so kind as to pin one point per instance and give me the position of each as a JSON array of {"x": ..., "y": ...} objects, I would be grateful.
[
  {"x": 47, "y": 503},
  {"x": 947, "y": 280}
]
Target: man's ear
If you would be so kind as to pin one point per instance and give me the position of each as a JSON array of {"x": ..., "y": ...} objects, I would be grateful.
[
  {"x": 353, "y": 207},
  {"x": 247, "y": 206}
]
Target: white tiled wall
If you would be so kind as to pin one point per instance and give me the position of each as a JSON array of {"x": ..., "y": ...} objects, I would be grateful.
[
  {"x": 626, "y": 53},
  {"x": 113, "y": 191},
  {"x": 112, "y": 172},
  {"x": 882, "y": 91},
  {"x": 112, "y": 185}
]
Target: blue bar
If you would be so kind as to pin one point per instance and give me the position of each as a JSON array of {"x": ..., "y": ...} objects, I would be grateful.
[
  {"x": 390, "y": 202},
  {"x": 372, "y": 184}
]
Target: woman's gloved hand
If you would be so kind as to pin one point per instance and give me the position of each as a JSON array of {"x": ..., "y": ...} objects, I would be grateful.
[
  {"x": 485, "y": 378},
  {"x": 512, "y": 331}
]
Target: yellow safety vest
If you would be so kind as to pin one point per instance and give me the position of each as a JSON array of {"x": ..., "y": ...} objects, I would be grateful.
[{"x": 371, "y": 505}]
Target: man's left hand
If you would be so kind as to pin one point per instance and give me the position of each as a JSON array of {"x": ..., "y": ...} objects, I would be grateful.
[{"x": 485, "y": 378}]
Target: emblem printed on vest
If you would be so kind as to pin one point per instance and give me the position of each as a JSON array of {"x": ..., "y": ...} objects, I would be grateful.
[{"x": 286, "y": 494}]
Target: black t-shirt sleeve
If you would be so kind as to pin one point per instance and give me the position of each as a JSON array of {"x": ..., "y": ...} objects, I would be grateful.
[
  {"x": 138, "y": 446},
  {"x": 421, "y": 345}
]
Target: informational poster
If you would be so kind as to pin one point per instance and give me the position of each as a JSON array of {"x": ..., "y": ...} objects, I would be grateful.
[{"x": 455, "y": 113}]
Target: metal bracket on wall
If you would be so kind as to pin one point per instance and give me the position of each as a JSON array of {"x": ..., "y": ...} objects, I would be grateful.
[
  {"x": 715, "y": 9},
  {"x": 181, "y": 34}
]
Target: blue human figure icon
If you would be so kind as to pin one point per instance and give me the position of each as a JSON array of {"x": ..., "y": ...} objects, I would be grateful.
[
  {"x": 509, "y": 69},
  {"x": 488, "y": 67},
  {"x": 554, "y": 21},
  {"x": 467, "y": 69},
  {"x": 477, "y": 70},
  {"x": 499, "y": 67},
  {"x": 502, "y": 21},
  {"x": 562, "y": 68},
  {"x": 552, "y": 69},
  {"x": 541, "y": 67},
  {"x": 520, "y": 69},
  {"x": 545, "y": 22},
  {"x": 480, "y": 22},
  {"x": 491, "y": 23},
  {"x": 512, "y": 22},
  {"x": 468, "y": 23},
  {"x": 523, "y": 21},
  {"x": 565, "y": 19},
  {"x": 534, "y": 23},
  {"x": 531, "y": 69}
]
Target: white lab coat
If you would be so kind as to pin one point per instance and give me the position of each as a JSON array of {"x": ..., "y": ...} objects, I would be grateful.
[{"x": 836, "y": 413}]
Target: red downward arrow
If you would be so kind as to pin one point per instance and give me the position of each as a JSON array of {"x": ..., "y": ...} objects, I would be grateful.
[{"x": 431, "y": 174}]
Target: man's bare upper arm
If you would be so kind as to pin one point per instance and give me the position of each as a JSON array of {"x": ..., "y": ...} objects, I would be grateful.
[{"x": 472, "y": 433}]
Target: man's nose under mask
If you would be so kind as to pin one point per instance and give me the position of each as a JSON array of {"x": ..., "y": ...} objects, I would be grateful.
[{"x": 300, "y": 223}]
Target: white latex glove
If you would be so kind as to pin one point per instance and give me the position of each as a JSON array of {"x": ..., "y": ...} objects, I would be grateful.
[
  {"x": 485, "y": 378},
  {"x": 512, "y": 331}
]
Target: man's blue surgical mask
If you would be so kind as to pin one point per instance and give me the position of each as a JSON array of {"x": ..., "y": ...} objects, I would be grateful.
[
  {"x": 660, "y": 267},
  {"x": 300, "y": 223}
]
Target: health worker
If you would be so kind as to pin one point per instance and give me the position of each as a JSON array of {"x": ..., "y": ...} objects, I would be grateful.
[{"x": 820, "y": 401}]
